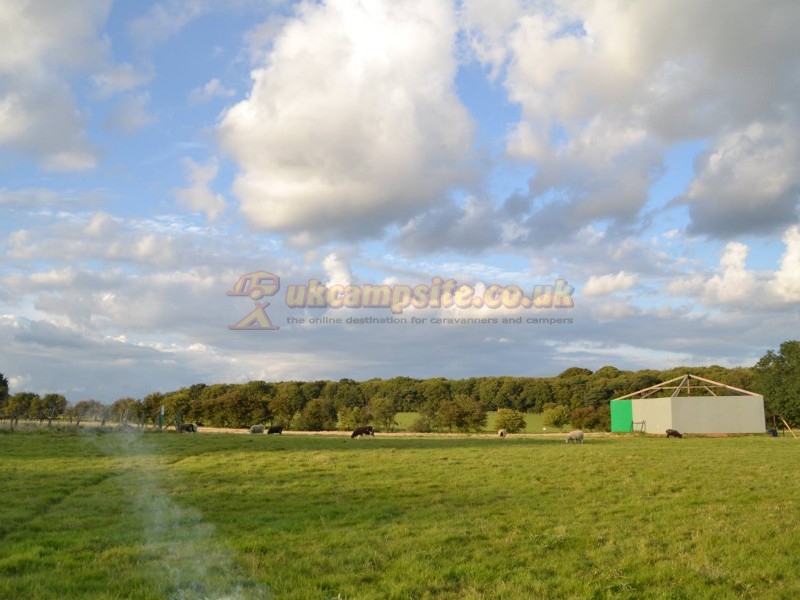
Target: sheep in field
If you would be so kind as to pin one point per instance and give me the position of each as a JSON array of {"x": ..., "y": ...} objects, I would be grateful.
[
  {"x": 575, "y": 436},
  {"x": 502, "y": 434},
  {"x": 257, "y": 429},
  {"x": 275, "y": 429},
  {"x": 187, "y": 428},
  {"x": 674, "y": 433}
]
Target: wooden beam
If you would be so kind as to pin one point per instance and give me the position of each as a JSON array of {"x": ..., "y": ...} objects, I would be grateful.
[{"x": 787, "y": 427}]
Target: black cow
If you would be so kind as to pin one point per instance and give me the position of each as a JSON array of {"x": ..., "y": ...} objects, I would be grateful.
[
  {"x": 361, "y": 431},
  {"x": 187, "y": 428},
  {"x": 673, "y": 433},
  {"x": 275, "y": 429}
]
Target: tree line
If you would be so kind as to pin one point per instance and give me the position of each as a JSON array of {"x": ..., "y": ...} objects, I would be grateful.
[{"x": 577, "y": 396}]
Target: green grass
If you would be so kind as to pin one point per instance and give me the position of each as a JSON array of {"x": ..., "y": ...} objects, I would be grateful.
[{"x": 128, "y": 515}]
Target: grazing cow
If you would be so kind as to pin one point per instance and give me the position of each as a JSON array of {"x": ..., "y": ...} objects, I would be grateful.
[
  {"x": 575, "y": 436},
  {"x": 502, "y": 433},
  {"x": 361, "y": 431},
  {"x": 187, "y": 428},
  {"x": 257, "y": 429},
  {"x": 674, "y": 433},
  {"x": 275, "y": 429}
]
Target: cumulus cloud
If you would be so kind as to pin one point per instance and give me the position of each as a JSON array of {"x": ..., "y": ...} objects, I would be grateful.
[
  {"x": 352, "y": 122},
  {"x": 337, "y": 270},
  {"x": 602, "y": 285},
  {"x": 198, "y": 196},
  {"x": 748, "y": 182},
  {"x": 787, "y": 278},
  {"x": 734, "y": 285},
  {"x": 42, "y": 43},
  {"x": 469, "y": 227},
  {"x": 212, "y": 89},
  {"x": 114, "y": 78},
  {"x": 604, "y": 89}
]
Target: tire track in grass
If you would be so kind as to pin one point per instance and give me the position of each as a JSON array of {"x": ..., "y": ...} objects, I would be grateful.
[{"x": 191, "y": 559}]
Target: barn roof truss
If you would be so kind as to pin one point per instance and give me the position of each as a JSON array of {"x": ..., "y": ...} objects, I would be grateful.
[{"x": 688, "y": 385}]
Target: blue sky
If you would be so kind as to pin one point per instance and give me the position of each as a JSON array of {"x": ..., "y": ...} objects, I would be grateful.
[{"x": 151, "y": 153}]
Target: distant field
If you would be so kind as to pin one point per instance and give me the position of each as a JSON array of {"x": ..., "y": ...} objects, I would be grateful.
[
  {"x": 158, "y": 515},
  {"x": 533, "y": 421}
]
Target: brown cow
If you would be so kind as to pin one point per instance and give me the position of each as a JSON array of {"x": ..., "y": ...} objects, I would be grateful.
[{"x": 361, "y": 431}]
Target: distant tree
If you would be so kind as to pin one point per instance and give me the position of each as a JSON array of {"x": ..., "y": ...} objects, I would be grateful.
[
  {"x": 350, "y": 418},
  {"x": 556, "y": 416},
  {"x": 488, "y": 390},
  {"x": 151, "y": 407},
  {"x": 468, "y": 387},
  {"x": 434, "y": 392},
  {"x": 473, "y": 411},
  {"x": 124, "y": 410},
  {"x": 89, "y": 410},
  {"x": 509, "y": 394},
  {"x": 381, "y": 411},
  {"x": 462, "y": 413},
  {"x": 348, "y": 393},
  {"x": 310, "y": 390},
  {"x": 286, "y": 403},
  {"x": 513, "y": 421},
  {"x": 448, "y": 415},
  {"x": 536, "y": 393},
  {"x": 592, "y": 418},
  {"x": 317, "y": 415},
  {"x": 19, "y": 406},
  {"x": 777, "y": 377},
  {"x": 405, "y": 393},
  {"x": 53, "y": 405},
  {"x": 3, "y": 396}
]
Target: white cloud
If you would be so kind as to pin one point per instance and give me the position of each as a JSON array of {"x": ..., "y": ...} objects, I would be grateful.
[
  {"x": 212, "y": 89},
  {"x": 198, "y": 196},
  {"x": 734, "y": 286},
  {"x": 352, "y": 122},
  {"x": 337, "y": 271},
  {"x": 605, "y": 88},
  {"x": 787, "y": 278},
  {"x": 165, "y": 19},
  {"x": 114, "y": 79},
  {"x": 42, "y": 43},
  {"x": 748, "y": 181},
  {"x": 735, "y": 283},
  {"x": 602, "y": 285}
]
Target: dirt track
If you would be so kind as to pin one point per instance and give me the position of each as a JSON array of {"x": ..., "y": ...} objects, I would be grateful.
[{"x": 400, "y": 433}]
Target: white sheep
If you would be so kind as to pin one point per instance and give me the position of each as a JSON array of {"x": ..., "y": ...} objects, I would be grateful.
[
  {"x": 575, "y": 436},
  {"x": 257, "y": 429},
  {"x": 502, "y": 433}
]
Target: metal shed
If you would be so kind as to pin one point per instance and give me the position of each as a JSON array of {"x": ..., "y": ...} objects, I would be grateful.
[{"x": 690, "y": 404}]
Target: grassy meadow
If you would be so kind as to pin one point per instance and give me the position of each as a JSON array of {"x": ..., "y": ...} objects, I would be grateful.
[
  {"x": 533, "y": 422},
  {"x": 94, "y": 514}
]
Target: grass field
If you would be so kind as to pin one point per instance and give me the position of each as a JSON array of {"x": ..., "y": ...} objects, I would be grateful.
[
  {"x": 160, "y": 515},
  {"x": 533, "y": 422}
]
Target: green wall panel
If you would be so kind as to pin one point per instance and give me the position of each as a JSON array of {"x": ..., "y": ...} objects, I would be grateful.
[{"x": 621, "y": 415}]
